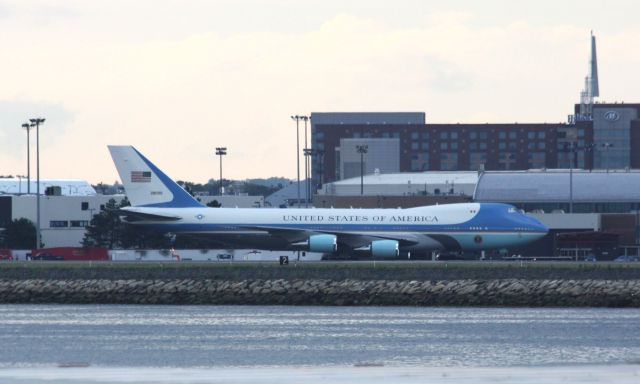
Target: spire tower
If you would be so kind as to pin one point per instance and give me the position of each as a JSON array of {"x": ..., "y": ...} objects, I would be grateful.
[{"x": 591, "y": 87}]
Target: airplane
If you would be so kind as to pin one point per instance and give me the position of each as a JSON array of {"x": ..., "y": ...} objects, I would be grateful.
[{"x": 159, "y": 203}]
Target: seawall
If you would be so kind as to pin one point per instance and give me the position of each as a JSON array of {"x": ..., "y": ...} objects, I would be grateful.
[{"x": 420, "y": 284}]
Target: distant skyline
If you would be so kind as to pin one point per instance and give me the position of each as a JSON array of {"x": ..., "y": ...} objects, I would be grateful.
[{"x": 178, "y": 78}]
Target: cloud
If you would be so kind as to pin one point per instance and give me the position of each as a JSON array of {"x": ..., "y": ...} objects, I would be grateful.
[{"x": 178, "y": 97}]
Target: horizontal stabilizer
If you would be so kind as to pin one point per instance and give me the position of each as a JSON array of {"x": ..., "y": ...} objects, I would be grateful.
[{"x": 132, "y": 216}]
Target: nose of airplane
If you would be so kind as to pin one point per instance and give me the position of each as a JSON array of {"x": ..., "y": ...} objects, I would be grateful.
[{"x": 538, "y": 226}]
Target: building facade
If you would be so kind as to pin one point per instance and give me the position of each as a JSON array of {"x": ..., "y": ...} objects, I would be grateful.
[{"x": 610, "y": 139}]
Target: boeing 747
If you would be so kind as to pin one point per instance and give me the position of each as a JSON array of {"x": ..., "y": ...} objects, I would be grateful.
[{"x": 159, "y": 203}]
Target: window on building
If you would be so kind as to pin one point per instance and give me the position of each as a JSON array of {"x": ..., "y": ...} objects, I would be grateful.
[
  {"x": 454, "y": 145},
  {"x": 541, "y": 145},
  {"x": 415, "y": 145},
  {"x": 531, "y": 135},
  {"x": 473, "y": 145},
  {"x": 531, "y": 145},
  {"x": 473, "y": 135},
  {"x": 415, "y": 135},
  {"x": 425, "y": 145},
  {"x": 502, "y": 135},
  {"x": 483, "y": 145},
  {"x": 477, "y": 160},
  {"x": 512, "y": 145},
  {"x": 502, "y": 145},
  {"x": 449, "y": 161},
  {"x": 79, "y": 223},
  {"x": 444, "y": 146},
  {"x": 444, "y": 135},
  {"x": 513, "y": 135},
  {"x": 420, "y": 162},
  {"x": 483, "y": 135},
  {"x": 84, "y": 205},
  {"x": 536, "y": 159},
  {"x": 580, "y": 132},
  {"x": 425, "y": 135},
  {"x": 386, "y": 135},
  {"x": 395, "y": 135},
  {"x": 319, "y": 136},
  {"x": 541, "y": 135},
  {"x": 357, "y": 135},
  {"x": 454, "y": 135},
  {"x": 58, "y": 224}
]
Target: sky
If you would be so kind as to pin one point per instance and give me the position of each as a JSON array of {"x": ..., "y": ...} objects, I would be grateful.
[{"x": 177, "y": 78}]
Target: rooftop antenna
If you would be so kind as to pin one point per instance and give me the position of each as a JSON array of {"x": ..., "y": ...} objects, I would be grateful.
[{"x": 591, "y": 87}]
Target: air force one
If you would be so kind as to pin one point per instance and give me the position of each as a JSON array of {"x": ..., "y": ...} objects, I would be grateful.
[{"x": 159, "y": 203}]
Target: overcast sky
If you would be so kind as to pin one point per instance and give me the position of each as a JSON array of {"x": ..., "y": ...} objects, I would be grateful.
[{"x": 176, "y": 78}]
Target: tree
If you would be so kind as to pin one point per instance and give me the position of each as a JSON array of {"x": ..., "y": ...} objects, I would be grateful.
[
  {"x": 105, "y": 229},
  {"x": 19, "y": 234},
  {"x": 214, "y": 204}
]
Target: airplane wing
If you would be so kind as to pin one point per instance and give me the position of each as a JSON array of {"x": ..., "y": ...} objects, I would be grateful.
[{"x": 351, "y": 239}]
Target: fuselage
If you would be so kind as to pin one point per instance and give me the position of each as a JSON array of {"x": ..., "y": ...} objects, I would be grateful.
[{"x": 468, "y": 226}]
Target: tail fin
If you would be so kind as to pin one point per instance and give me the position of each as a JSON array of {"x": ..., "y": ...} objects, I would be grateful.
[{"x": 145, "y": 184}]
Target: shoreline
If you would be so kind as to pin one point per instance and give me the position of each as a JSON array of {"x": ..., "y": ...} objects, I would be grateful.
[{"x": 332, "y": 284}]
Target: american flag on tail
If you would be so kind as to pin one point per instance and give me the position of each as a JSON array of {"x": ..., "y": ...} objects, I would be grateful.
[{"x": 140, "y": 176}]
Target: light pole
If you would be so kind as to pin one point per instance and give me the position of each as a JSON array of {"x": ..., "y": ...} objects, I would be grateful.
[
  {"x": 362, "y": 149},
  {"x": 36, "y": 122},
  {"x": 221, "y": 151},
  {"x": 27, "y": 126},
  {"x": 570, "y": 148},
  {"x": 306, "y": 151},
  {"x": 297, "y": 118}
]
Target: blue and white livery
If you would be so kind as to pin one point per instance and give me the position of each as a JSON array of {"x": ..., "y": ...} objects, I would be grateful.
[{"x": 158, "y": 202}]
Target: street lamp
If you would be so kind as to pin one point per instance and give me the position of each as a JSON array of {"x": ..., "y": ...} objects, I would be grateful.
[
  {"x": 362, "y": 149},
  {"x": 308, "y": 152},
  {"x": 36, "y": 122},
  {"x": 221, "y": 151},
  {"x": 297, "y": 118},
  {"x": 28, "y": 127},
  {"x": 306, "y": 161}
]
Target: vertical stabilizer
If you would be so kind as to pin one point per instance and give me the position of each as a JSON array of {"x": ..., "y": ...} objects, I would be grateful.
[{"x": 145, "y": 184}]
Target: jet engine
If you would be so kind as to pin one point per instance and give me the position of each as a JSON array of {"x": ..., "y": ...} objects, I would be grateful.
[
  {"x": 323, "y": 243},
  {"x": 385, "y": 248}
]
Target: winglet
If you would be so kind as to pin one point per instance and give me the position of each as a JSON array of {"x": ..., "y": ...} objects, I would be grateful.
[{"x": 145, "y": 184}]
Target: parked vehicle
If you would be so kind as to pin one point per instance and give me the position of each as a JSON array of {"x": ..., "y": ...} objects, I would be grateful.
[
  {"x": 627, "y": 259},
  {"x": 590, "y": 258},
  {"x": 69, "y": 253},
  {"x": 5, "y": 254}
]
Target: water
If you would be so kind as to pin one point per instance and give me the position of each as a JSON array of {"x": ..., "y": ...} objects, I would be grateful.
[
  {"x": 203, "y": 336},
  {"x": 233, "y": 338}
]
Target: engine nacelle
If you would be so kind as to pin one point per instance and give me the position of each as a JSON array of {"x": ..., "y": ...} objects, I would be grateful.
[
  {"x": 323, "y": 243},
  {"x": 385, "y": 248}
]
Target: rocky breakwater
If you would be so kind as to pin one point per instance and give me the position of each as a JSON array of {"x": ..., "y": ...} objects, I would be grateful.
[{"x": 463, "y": 292}]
